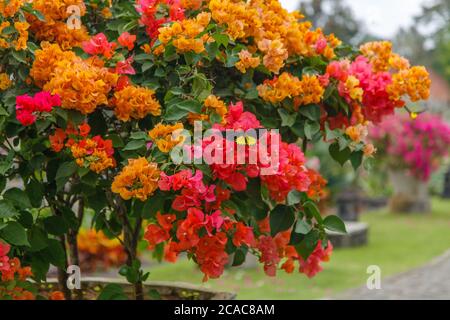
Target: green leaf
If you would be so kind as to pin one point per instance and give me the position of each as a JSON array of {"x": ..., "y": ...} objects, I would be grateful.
[
  {"x": 66, "y": 170},
  {"x": 112, "y": 292},
  {"x": 287, "y": 119},
  {"x": 281, "y": 219},
  {"x": 340, "y": 156},
  {"x": 334, "y": 223},
  {"x": 356, "y": 159},
  {"x": 180, "y": 110},
  {"x": 56, "y": 225},
  {"x": 239, "y": 257},
  {"x": 311, "y": 128},
  {"x": 308, "y": 244},
  {"x": 302, "y": 227},
  {"x": 134, "y": 145},
  {"x": 20, "y": 56},
  {"x": 221, "y": 39},
  {"x": 312, "y": 112},
  {"x": 201, "y": 87},
  {"x": 139, "y": 135},
  {"x": 54, "y": 253},
  {"x": 153, "y": 205},
  {"x": 14, "y": 234},
  {"x": 7, "y": 210},
  {"x": 154, "y": 294},
  {"x": 35, "y": 191},
  {"x": 313, "y": 211},
  {"x": 38, "y": 239},
  {"x": 18, "y": 198},
  {"x": 294, "y": 197}
]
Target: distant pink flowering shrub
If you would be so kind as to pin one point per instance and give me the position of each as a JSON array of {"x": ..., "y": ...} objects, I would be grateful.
[{"x": 417, "y": 145}]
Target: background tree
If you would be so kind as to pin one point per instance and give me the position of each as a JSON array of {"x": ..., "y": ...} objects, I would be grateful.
[{"x": 335, "y": 16}]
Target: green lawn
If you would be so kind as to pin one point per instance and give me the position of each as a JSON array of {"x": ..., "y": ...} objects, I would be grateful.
[{"x": 397, "y": 243}]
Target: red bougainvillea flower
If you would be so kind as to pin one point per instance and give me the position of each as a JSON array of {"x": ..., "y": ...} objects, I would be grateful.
[
  {"x": 4, "y": 260},
  {"x": 122, "y": 83},
  {"x": 127, "y": 40},
  {"x": 151, "y": 14},
  {"x": 243, "y": 235},
  {"x": 211, "y": 255},
  {"x": 237, "y": 119},
  {"x": 312, "y": 266},
  {"x": 4, "y": 249},
  {"x": 99, "y": 45},
  {"x": 158, "y": 234},
  {"x": 193, "y": 190},
  {"x": 29, "y": 108},
  {"x": 125, "y": 67},
  {"x": 269, "y": 255},
  {"x": 292, "y": 173}
]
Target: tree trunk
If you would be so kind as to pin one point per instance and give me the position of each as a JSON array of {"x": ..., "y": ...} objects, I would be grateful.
[{"x": 62, "y": 273}]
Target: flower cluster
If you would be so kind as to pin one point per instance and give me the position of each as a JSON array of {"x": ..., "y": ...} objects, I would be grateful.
[
  {"x": 418, "y": 146},
  {"x": 292, "y": 173},
  {"x": 28, "y": 109},
  {"x": 55, "y": 27},
  {"x": 99, "y": 252},
  {"x": 5, "y": 81},
  {"x": 83, "y": 85},
  {"x": 139, "y": 179},
  {"x": 94, "y": 153},
  {"x": 247, "y": 61},
  {"x": 12, "y": 272},
  {"x": 184, "y": 34},
  {"x": 19, "y": 39},
  {"x": 163, "y": 136},
  {"x": 9, "y": 8},
  {"x": 135, "y": 103},
  {"x": 209, "y": 249},
  {"x": 211, "y": 106},
  {"x": 306, "y": 91},
  {"x": 152, "y": 17}
]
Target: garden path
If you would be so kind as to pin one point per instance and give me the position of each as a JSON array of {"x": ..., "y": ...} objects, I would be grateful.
[{"x": 430, "y": 282}]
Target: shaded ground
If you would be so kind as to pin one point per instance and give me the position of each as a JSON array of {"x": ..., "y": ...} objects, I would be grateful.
[{"x": 431, "y": 282}]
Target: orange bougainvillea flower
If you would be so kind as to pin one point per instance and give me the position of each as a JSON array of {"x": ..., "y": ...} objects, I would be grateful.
[
  {"x": 127, "y": 40},
  {"x": 247, "y": 61},
  {"x": 163, "y": 135},
  {"x": 81, "y": 85},
  {"x": 5, "y": 81},
  {"x": 9, "y": 8},
  {"x": 139, "y": 179},
  {"x": 97, "y": 251},
  {"x": 135, "y": 103},
  {"x": 46, "y": 60},
  {"x": 308, "y": 90}
]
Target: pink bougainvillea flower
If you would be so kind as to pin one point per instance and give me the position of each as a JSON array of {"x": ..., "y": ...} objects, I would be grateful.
[
  {"x": 125, "y": 67},
  {"x": 99, "y": 45},
  {"x": 28, "y": 108},
  {"x": 4, "y": 249}
]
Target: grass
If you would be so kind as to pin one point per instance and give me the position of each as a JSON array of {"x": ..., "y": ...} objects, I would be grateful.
[{"x": 397, "y": 243}]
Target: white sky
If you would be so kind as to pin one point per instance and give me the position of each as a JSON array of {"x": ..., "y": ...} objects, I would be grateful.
[{"x": 382, "y": 17}]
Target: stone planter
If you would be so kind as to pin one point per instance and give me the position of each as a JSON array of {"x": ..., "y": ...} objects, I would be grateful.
[
  {"x": 410, "y": 194},
  {"x": 91, "y": 288}
]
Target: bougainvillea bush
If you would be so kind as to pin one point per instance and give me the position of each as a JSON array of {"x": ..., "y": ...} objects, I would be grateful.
[
  {"x": 417, "y": 145},
  {"x": 188, "y": 117}
]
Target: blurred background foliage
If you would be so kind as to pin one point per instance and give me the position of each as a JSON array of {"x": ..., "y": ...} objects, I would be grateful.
[{"x": 425, "y": 42}]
